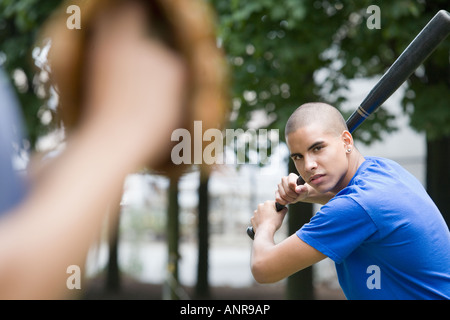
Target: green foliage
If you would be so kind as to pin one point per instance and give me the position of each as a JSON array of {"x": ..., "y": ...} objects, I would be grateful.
[
  {"x": 275, "y": 49},
  {"x": 425, "y": 101},
  {"x": 19, "y": 25},
  {"x": 272, "y": 59}
]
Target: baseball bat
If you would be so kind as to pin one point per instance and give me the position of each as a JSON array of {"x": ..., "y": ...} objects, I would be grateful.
[{"x": 436, "y": 30}]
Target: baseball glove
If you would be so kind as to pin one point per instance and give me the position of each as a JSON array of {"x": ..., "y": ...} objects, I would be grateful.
[{"x": 186, "y": 26}]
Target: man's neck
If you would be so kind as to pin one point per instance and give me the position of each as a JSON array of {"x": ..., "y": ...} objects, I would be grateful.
[{"x": 355, "y": 161}]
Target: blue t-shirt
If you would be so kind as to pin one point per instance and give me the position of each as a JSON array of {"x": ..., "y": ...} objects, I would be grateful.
[
  {"x": 386, "y": 236},
  {"x": 12, "y": 186}
]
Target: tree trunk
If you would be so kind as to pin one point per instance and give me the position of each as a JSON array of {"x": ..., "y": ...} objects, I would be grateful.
[
  {"x": 171, "y": 286},
  {"x": 202, "y": 286},
  {"x": 300, "y": 284},
  {"x": 113, "y": 271},
  {"x": 438, "y": 174}
]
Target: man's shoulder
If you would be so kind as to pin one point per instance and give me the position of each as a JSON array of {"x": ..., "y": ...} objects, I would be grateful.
[
  {"x": 382, "y": 174},
  {"x": 379, "y": 164},
  {"x": 379, "y": 184}
]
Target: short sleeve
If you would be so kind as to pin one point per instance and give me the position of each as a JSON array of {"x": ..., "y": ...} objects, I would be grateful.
[{"x": 338, "y": 228}]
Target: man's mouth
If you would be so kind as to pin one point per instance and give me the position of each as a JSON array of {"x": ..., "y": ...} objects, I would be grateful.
[{"x": 316, "y": 178}]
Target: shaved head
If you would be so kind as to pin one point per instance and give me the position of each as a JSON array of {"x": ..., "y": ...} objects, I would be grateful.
[
  {"x": 325, "y": 115},
  {"x": 321, "y": 147}
]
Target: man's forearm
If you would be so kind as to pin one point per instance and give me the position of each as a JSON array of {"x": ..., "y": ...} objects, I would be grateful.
[{"x": 262, "y": 244}]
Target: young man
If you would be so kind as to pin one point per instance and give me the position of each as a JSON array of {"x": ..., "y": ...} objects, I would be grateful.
[{"x": 377, "y": 223}]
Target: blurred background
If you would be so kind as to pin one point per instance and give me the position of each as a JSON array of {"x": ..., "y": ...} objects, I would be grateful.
[{"x": 185, "y": 239}]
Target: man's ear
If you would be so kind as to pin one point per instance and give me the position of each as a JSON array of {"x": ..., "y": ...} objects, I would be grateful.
[{"x": 347, "y": 139}]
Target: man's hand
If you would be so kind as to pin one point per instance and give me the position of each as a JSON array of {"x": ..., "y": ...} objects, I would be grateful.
[
  {"x": 272, "y": 262},
  {"x": 266, "y": 217},
  {"x": 289, "y": 192}
]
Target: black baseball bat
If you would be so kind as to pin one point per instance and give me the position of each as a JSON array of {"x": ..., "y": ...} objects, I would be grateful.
[{"x": 436, "y": 30}]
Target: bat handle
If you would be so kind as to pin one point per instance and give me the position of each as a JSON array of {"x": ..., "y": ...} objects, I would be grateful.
[{"x": 279, "y": 207}]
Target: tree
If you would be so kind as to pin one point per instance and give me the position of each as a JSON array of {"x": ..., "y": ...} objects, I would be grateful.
[
  {"x": 202, "y": 286},
  {"x": 171, "y": 288},
  {"x": 300, "y": 284},
  {"x": 113, "y": 276},
  {"x": 427, "y": 103},
  {"x": 275, "y": 52}
]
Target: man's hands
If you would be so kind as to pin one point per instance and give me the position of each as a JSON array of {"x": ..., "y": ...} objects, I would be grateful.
[
  {"x": 272, "y": 262},
  {"x": 266, "y": 217},
  {"x": 289, "y": 192}
]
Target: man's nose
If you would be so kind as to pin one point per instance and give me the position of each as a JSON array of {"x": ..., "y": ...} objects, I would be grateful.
[{"x": 310, "y": 163}]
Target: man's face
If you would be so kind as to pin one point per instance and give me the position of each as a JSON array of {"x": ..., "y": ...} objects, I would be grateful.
[{"x": 320, "y": 157}]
